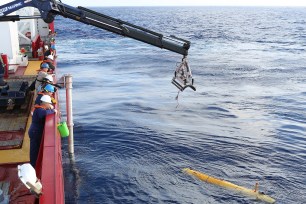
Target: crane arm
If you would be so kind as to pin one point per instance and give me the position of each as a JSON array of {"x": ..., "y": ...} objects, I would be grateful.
[
  {"x": 123, "y": 28},
  {"x": 50, "y": 8}
]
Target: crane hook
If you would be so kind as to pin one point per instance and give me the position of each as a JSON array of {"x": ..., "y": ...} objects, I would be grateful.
[{"x": 183, "y": 77}]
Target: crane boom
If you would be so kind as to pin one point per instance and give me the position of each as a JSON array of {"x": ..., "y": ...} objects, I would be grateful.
[
  {"x": 50, "y": 8},
  {"x": 123, "y": 28}
]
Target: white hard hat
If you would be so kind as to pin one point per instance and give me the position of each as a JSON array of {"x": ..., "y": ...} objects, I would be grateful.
[
  {"x": 49, "y": 77},
  {"x": 50, "y": 57},
  {"x": 46, "y": 99}
]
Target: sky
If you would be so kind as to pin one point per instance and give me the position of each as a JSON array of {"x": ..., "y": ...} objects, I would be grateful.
[{"x": 185, "y": 3}]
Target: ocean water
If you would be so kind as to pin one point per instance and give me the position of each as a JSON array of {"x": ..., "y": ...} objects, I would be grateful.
[{"x": 245, "y": 123}]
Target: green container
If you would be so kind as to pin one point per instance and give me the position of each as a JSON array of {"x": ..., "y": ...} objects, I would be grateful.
[{"x": 63, "y": 129}]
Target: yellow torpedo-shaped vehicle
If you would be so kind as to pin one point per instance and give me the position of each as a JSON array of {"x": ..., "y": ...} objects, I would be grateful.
[{"x": 228, "y": 185}]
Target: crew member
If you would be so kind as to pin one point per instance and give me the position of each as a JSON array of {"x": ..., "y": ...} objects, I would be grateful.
[
  {"x": 44, "y": 68},
  {"x": 53, "y": 50},
  {"x": 47, "y": 80},
  {"x": 47, "y": 90},
  {"x": 47, "y": 52},
  {"x": 37, "y": 127},
  {"x": 49, "y": 61},
  {"x": 52, "y": 41}
]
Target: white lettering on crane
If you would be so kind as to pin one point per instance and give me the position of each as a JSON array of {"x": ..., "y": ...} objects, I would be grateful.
[
  {"x": 7, "y": 8},
  {"x": 3, "y": 10}
]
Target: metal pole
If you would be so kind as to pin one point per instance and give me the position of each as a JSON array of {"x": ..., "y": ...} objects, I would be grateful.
[{"x": 68, "y": 85}]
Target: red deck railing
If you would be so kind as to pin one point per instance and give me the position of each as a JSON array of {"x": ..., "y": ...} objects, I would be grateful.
[{"x": 49, "y": 165}]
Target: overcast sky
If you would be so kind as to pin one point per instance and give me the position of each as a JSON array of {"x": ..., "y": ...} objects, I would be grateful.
[{"x": 185, "y": 2}]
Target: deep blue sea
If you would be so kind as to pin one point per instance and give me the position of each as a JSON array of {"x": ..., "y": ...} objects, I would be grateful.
[{"x": 246, "y": 122}]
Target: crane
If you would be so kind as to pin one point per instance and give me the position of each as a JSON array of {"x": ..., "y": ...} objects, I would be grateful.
[{"x": 49, "y": 9}]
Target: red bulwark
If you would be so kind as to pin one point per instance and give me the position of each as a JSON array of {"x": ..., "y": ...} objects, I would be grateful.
[{"x": 51, "y": 164}]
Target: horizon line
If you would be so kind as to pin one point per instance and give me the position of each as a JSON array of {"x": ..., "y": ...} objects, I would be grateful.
[{"x": 291, "y": 6}]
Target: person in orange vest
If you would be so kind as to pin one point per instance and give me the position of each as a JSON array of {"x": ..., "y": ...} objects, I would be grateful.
[
  {"x": 47, "y": 90},
  {"x": 49, "y": 61},
  {"x": 37, "y": 127},
  {"x": 44, "y": 68},
  {"x": 46, "y": 80},
  {"x": 36, "y": 84}
]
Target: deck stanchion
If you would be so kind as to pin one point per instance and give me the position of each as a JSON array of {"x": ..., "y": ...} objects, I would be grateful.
[
  {"x": 6, "y": 65},
  {"x": 68, "y": 85}
]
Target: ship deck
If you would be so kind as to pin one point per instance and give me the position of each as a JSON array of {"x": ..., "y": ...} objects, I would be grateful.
[
  {"x": 14, "y": 133},
  {"x": 14, "y": 139}
]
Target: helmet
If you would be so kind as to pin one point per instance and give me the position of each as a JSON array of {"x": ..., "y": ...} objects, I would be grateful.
[
  {"x": 53, "y": 47},
  {"x": 49, "y": 78},
  {"x": 46, "y": 99},
  {"x": 50, "y": 57},
  {"x": 49, "y": 88},
  {"x": 44, "y": 65}
]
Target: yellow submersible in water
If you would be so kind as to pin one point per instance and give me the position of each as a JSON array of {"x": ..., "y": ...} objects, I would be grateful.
[{"x": 218, "y": 182}]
